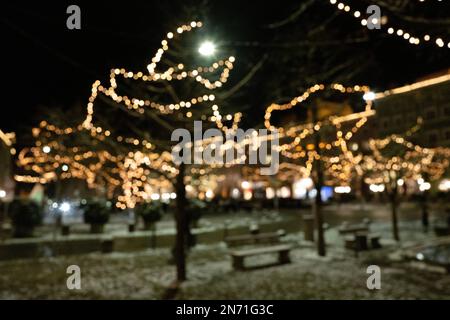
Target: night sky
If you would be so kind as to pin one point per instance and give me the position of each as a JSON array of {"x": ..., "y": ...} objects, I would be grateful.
[{"x": 45, "y": 64}]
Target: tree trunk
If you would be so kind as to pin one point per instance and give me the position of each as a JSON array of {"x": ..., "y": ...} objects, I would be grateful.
[
  {"x": 321, "y": 251},
  {"x": 394, "y": 206},
  {"x": 425, "y": 215},
  {"x": 180, "y": 217},
  {"x": 153, "y": 228},
  {"x": 3, "y": 215},
  {"x": 276, "y": 202}
]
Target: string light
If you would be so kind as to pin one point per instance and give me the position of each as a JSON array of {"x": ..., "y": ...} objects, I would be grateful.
[
  {"x": 409, "y": 164},
  {"x": 407, "y": 36},
  {"x": 132, "y": 172},
  {"x": 306, "y": 95},
  {"x": 414, "y": 86},
  {"x": 294, "y": 151},
  {"x": 141, "y": 174},
  {"x": 7, "y": 138}
]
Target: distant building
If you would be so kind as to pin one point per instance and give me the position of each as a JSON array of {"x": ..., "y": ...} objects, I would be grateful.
[{"x": 398, "y": 110}]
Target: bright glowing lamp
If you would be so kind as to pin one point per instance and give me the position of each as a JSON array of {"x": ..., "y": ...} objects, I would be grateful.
[
  {"x": 245, "y": 185},
  {"x": 425, "y": 186},
  {"x": 155, "y": 196},
  {"x": 65, "y": 207},
  {"x": 209, "y": 194},
  {"x": 343, "y": 189},
  {"x": 207, "y": 48},
  {"x": 369, "y": 96}
]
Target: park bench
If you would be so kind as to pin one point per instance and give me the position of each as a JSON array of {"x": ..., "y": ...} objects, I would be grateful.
[
  {"x": 358, "y": 241},
  {"x": 442, "y": 231},
  {"x": 260, "y": 238},
  {"x": 357, "y": 236},
  {"x": 6, "y": 231},
  {"x": 238, "y": 256},
  {"x": 352, "y": 229},
  {"x": 374, "y": 239}
]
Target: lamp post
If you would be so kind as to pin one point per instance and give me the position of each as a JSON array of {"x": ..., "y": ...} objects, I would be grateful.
[
  {"x": 319, "y": 179},
  {"x": 4, "y": 212},
  {"x": 425, "y": 187}
]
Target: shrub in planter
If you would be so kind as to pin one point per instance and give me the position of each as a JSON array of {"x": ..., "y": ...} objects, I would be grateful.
[
  {"x": 195, "y": 210},
  {"x": 96, "y": 213},
  {"x": 65, "y": 230},
  {"x": 25, "y": 216},
  {"x": 150, "y": 213}
]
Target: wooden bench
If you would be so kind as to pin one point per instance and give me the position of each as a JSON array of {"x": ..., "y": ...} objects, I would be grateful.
[
  {"x": 350, "y": 242},
  {"x": 239, "y": 256},
  {"x": 6, "y": 231},
  {"x": 260, "y": 238},
  {"x": 374, "y": 239},
  {"x": 359, "y": 241},
  {"x": 353, "y": 229},
  {"x": 442, "y": 231}
]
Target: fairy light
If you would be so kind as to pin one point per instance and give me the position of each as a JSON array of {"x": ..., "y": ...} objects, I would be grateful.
[
  {"x": 407, "y": 36},
  {"x": 341, "y": 167},
  {"x": 306, "y": 95},
  {"x": 7, "y": 138},
  {"x": 414, "y": 86},
  {"x": 409, "y": 164},
  {"x": 170, "y": 74},
  {"x": 134, "y": 172},
  {"x": 294, "y": 151}
]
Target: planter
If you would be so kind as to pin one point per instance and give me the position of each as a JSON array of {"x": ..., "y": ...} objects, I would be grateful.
[
  {"x": 441, "y": 231},
  {"x": 25, "y": 216},
  {"x": 150, "y": 213},
  {"x": 308, "y": 227},
  {"x": 65, "y": 230},
  {"x": 97, "y": 228},
  {"x": 149, "y": 226},
  {"x": 6, "y": 232},
  {"x": 253, "y": 229},
  {"x": 107, "y": 246},
  {"x": 96, "y": 214},
  {"x": 23, "y": 231},
  {"x": 195, "y": 224}
]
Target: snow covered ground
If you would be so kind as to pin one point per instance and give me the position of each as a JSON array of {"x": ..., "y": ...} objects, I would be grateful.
[{"x": 147, "y": 274}]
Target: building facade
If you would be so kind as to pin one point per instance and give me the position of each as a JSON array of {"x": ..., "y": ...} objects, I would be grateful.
[{"x": 398, "y": 110}]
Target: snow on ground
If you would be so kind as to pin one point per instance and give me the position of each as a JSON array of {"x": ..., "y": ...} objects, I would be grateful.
[{"x": 147, "y": 274}]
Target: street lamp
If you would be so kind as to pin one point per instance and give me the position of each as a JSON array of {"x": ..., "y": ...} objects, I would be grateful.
[
  {"x": 3, "y": 214},
  {"x": 369, "y": 96},
  {"x": 376, "y": 188},
  {"x": 207, "y": 48},
  {"x": 425, "y": 186},
  {"x": 65, "y": 207},
  {"x": 342, "y": 189},
  {"x": 46, "y": 149},
  {"x": 245, "y": 185}
]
